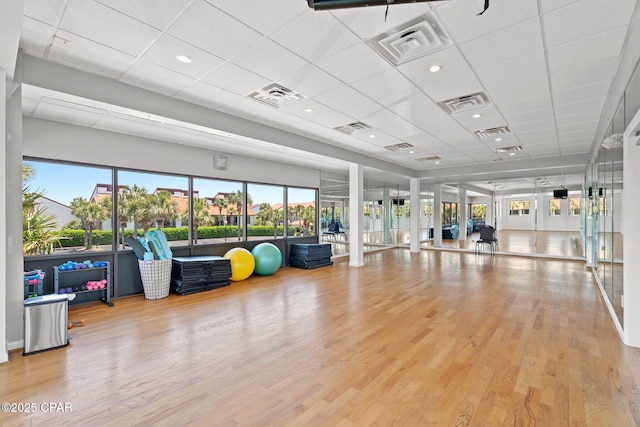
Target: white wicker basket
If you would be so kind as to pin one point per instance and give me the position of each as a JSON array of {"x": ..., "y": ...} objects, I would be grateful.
[{"x": 156, "y": 277}]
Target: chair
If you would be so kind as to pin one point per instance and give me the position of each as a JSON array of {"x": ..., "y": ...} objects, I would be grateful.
[
  {"x": 337, "y": 231},
  {"x": 487, "y": 237},
  {"x": 331, "y": 231}
]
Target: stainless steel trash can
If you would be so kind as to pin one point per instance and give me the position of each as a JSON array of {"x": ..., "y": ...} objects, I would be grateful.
[{"x": 45, "y": 323}]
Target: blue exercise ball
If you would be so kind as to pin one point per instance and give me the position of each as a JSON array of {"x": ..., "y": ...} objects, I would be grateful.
[{"x": 268, "y": 259}]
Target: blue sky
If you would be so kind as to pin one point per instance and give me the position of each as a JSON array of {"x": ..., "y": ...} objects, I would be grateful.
[{"x": 63, "y": 183}]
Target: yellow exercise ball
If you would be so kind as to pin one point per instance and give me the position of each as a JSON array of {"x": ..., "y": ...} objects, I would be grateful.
[{"x": 242, "y": 263}]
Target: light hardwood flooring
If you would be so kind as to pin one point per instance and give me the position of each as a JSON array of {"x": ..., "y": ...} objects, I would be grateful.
[{"x": 428, "y": 339}]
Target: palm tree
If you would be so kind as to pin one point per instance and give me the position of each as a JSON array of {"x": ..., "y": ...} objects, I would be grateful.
[
  {"x": 264, "y": 213},
  {"x": 90, "y": 215},
  {"x": 125, "y": 199},
  {"x": 220, "y": 203},
  {"x": 37, "y": 237},
  {"x": 164, "y": 208},
  {"x": 308, "y": 217},
  {"x": 200, "y": 216},
  {"x": 238, "y": 199},
  {"x": 139, "y": 208},
  {"x": 276, "y": 216}
]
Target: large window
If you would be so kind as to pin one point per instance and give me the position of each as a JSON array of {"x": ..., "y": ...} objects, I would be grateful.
[
  {"x": 574, "y": 206},
  {"x": 265, "y": 212},
  {"x": 70, "y": 208},
  {"x": 217, "y": 211},
  {"x": 64, "y": 208},
  {"x": 519, "y": 207},
  {"x": 449, "y": 213},
  {"x": 301, "y": 212},
  {"x": 554, "y": 207},
  {"x": 150, "y": 201}
]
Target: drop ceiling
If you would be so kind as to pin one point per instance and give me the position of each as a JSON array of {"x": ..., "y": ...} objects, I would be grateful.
[{"x": 535, "y": 75}]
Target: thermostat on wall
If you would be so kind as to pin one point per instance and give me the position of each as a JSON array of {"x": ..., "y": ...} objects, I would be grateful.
[{"x": 220, "y": 162}]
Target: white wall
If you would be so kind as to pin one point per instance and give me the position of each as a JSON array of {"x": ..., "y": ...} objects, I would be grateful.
[
  {"x": 4, "y": 355},
  {"x": 59, "y": 141}
]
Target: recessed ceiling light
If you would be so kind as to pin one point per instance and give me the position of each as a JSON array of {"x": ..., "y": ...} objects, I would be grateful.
[
  {"x": 477, "y": 116},
  {"x": 308, "y": 110},
  {"x": 184, "y": 59},
  {"x": 373, "y": 135},
  {"x": 435, "y": 68},
  {"x": 498, "y": 139},
  {"x": 437, "y": 163},
  {"x": 411, "y": 152},
  {"x": 512, "y": 154}
]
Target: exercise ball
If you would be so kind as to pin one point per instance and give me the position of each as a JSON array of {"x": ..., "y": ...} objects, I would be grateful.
[
  {"x": 268, "y": 259},
  {"x": 242, "y": 263}
]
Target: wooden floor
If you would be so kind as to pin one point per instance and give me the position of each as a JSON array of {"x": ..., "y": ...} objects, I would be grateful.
[{"x": 429, "y": 339}]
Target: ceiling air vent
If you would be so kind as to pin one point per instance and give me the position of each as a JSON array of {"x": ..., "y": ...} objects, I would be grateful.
[
  {"x": 512, "y": 149},
  {"x": 398, "y": 147},
  {"x": 429, "y": 159},
  {"x": 414, "y": 39},
  {"x": 352, "y": 128},
  {"x": 485, "y": 133},
  {"x": 613, "y": 141},
  {"x": 465, "y": 103},
  {"x": 276, "y": 95}
]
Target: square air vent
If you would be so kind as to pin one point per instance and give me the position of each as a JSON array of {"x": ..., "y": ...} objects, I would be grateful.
[
  {"x": 398, "y": 147},
  {"x": 414, "y": 39},
  {"x": 429, "y": 159},
  {"x": 465, "y": 103},
  {"x": 352, "y": 128},
  {"x": 512, "y": 149},
  {"x": 276, "y": 95},
  {"x": 485, "y": 133}
]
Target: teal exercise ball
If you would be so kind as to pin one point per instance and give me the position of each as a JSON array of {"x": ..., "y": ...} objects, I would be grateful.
[{"x": 268, "y": 259}]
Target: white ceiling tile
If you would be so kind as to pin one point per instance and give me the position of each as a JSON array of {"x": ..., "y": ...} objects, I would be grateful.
[
  {"x": 87, "y": 55},
  {"x": 355, "y": 63},
  {"x": 226, "y": 39},
  {"x": 582, "y": 93},
  {"x": 584, "y": 51},
  {"x": 94, "y": 21},
  {"x": 311, "y": 81},
  {"x": 589, "y": 116},
  {"x": 521, "y": 69},
  {"x": 272, "y": 61},
  {"x": 591, "y": 105},
  {"x": 462, "y": 21},
  {"x": 392, "y": 124},
  {"x": 585, "y": 74},
  {"x": 317, "y": 36},
  {"x": 384, "y": 84},
  {"x": 504, "y": 45},
  {"x": 264, "y": 16},
  {"x": 451, "y": 61},
  {"x": 531, "y": 116},
  {"x": 157, "y": 13},
  {"x": 164, "y": 51},
  {"x": 204, "y": 94},
  {"x": 349, "y": 100},
  {"x": 35, "y": 37},
  {"x": 585, "y": 18},
  {"x": 460, "y": 85},
  {"x": 518, "y": 106},
  {"x": 549, "y": 5},
  {"x": 369, "y": 22},
  {"x": 522, "y": 90},
  {"x": 155, "y": 78},
  {"x": 320, "y": 115},
  {"x": 534, "y": 125},
  {"x": 235, "y": 79},
  {"x": 46, "y": 11}
]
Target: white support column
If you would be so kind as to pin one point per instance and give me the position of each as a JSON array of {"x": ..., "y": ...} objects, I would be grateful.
[
  {"x": 356, "y": 214},
  {"x": 463, "y": 215},
  {"x": 4, "y": 354},
  {"x": 630, "y": 209},
  {"x": 437, "y": 215},
  {"x": 414, "y": 225},
  {"x": 14, "y": 290}
]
